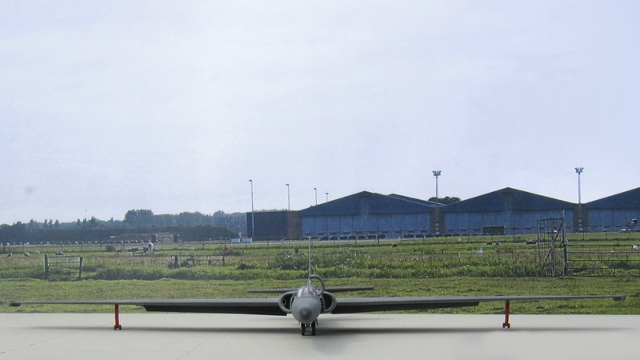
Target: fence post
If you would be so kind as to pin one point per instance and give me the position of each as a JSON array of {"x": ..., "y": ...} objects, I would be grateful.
[
  {"x": 80, "y": 270},
  {"x": 46, "y": 266}
]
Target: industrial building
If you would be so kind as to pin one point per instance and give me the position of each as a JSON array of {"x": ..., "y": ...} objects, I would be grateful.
[
  {"x": 274, "y": 225},
  {"x": 613, "y": 213},
  {"x": 367, "y": 215},
  {"x": 505, "y": 211}
]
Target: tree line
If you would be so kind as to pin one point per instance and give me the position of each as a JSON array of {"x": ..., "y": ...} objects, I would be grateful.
[
  {"x": 189, "y": 226},
  {"x": 445, "y": 200}
]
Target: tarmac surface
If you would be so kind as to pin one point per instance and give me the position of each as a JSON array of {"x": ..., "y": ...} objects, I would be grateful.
[{"x": 362, "y": 336}]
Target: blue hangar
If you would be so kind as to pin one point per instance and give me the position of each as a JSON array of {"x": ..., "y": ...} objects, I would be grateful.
[{"x": 368, "y": 215}]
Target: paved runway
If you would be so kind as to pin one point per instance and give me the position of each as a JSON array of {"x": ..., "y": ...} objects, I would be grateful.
[{"x": 362, "y": 336}]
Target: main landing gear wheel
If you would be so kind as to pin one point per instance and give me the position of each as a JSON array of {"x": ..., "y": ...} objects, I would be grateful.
[
  {"x": 303, "y": 329},
  {"x": 313, "y": 328}
]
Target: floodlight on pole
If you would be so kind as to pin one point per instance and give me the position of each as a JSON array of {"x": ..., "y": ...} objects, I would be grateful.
[
  {"x": 288, "y": 199},
  {"x": 437, "y": 174},
  {"x": 316, "y": 191},
  {"x": 327, "y": 197},
  {"x": 579, "y": 171}
]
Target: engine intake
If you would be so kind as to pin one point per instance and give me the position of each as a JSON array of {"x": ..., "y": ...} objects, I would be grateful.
[
  {"x": 328, "y": 302},
  {"x": 285, "y": 301}
]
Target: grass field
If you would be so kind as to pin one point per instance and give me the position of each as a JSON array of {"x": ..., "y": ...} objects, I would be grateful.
[{"x": 416, "y": 267}]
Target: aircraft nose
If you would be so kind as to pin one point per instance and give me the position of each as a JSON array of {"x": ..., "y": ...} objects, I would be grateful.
[
  {"x": 305, "y": 313},
  {"x": 306, "y": 310}
]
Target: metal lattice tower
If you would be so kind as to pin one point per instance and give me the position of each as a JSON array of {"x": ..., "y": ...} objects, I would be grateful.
[{"x": 552, "y": 246}]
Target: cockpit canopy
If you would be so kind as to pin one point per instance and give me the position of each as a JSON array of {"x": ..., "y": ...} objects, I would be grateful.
[{"x": 307, "y": 291}]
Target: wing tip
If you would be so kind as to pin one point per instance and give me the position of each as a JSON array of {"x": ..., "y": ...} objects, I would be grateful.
[{"x": 620, "y": 297}]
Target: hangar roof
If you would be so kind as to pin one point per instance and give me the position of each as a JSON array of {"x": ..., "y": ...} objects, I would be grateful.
[
  {"x": 509, "y": 199},
  {"x": 365, "y": 202},
  {"x": 626, "y": 200},
  {"x": 417, "y": 201}
]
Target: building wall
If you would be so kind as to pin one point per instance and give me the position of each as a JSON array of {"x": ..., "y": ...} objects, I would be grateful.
[
  {"x": 518, "y": 222},
  {"x": 611, "y": 219},
  {"x": 613, "y": 213},
  {"x": 365, "y": 224},
  {"x": 294, "y": 228},
  {"x": 274, "y": 225}
]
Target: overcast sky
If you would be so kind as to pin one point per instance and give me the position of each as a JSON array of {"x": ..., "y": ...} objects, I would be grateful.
[{"x": 174, "y": 106}]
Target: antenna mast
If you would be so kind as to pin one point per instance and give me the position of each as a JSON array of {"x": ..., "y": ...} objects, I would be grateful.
[{"x": 309, "y": 281}]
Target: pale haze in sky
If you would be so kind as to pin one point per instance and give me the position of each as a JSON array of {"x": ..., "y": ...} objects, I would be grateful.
[{"x": 174, "y": 106}]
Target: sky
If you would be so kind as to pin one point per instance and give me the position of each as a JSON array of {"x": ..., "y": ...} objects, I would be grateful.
[{"x": 174, "y": 106}]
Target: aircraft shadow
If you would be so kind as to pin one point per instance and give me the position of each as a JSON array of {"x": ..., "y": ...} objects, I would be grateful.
[
  {"x": 422, "y": 330},
  {"x": 330, "y": 331},
  {"x": 335, "y": 326}
]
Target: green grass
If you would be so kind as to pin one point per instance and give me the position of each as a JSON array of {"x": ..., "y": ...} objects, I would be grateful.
[{"x": 430, "y": 267}]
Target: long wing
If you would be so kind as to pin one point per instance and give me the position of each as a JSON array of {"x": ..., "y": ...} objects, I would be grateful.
[
  {"x": 360, "y": 305},
  {"x": 267, "y": 306},
  {"x": 270, "y": 306}
]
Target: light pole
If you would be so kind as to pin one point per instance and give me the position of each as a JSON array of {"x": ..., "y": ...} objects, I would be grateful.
[
  {"x": 327, "y": 197},
  {"x": 316, "y": 190},
  {"x": 253, "y": 220},
  {"x": 288, "y": 199},
  {"x": 437, "y": 174},
  {"x": 579, "y": 171}
]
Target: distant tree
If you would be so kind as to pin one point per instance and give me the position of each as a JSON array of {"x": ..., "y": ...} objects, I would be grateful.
[
  {"x": 17, "y": 232},
  {"x": 445, "y": 200},
  {"x": 141, "y": 217},
  {"x": 192, "y": 219}
]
